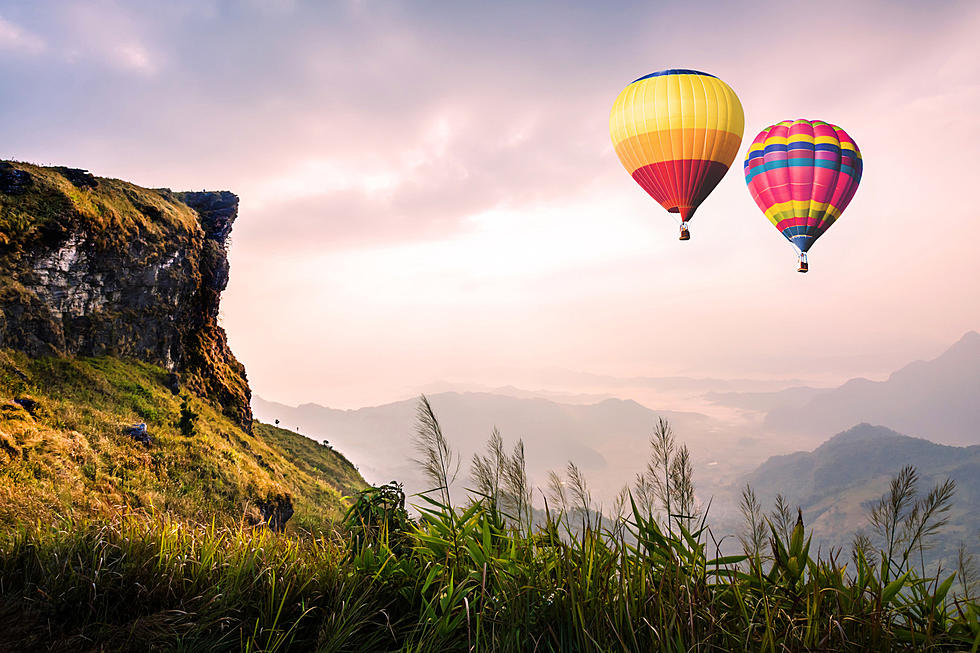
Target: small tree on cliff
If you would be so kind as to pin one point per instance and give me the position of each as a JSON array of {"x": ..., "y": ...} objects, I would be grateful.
[{"x": 187, "y": 420}]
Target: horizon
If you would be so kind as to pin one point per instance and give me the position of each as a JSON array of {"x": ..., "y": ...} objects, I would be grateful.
[
  {"x": 604, "y": 388},
  {"x": 430, "y": 195}
]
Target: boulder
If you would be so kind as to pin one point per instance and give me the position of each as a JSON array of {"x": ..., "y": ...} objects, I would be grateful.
[
  {"x": 138, "y": 432},
  {"x": 78, "y": 177},
  {"x": 30, "y": 405},
  {"x": 276, "y": 511}
]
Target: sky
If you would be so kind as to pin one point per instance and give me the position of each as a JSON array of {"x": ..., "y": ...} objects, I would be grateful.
[{"x": 429, "y": 193}]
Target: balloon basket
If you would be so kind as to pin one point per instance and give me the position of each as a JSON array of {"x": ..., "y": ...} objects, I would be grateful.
[
  {"x": 685, "y": 232},
  {"x": 804, "y": 266}
]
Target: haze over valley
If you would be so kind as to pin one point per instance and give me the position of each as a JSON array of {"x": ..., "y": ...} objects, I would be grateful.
[{"x": 730, "y": 433}]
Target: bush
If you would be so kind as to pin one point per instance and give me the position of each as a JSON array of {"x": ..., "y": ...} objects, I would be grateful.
[{"x": 187, "y": 419}]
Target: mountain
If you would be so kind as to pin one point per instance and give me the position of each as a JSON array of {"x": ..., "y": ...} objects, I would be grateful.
[
  {"x": 937, "y": 399},
  {"x": 608, "y": 440},
  {"x": 117, "y": 386},
  {"x": 835, "y": 483}
]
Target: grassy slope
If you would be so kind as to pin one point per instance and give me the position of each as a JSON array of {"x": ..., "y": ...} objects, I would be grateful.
[{"x": 70, "y": 455}]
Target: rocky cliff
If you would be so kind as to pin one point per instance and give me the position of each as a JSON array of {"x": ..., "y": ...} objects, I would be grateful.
[{"x": 92, "y": 266}]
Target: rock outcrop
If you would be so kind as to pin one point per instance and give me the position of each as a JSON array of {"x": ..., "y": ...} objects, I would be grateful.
[
  {"x": 276, "y": 511},
  {"x": 92, "y": 266},
  {"x": 139, "y": 433}
]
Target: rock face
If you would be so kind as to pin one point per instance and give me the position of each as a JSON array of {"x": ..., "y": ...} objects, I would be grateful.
[
  {"x": 276, "y": 511},
  {"x": 92, "y": 266},
  {"x": 12, "y": 180}
]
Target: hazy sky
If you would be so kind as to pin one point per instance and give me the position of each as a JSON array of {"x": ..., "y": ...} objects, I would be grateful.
[{"x": 429, "y": 192}]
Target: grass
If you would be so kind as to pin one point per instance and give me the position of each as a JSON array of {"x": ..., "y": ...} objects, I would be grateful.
[
  {"x": 460, "y": 578},
  {"x": 457, "y": 580},
  {"x": 113, "y": 209}
]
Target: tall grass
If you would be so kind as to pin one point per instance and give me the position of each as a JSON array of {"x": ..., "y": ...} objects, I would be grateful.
[{"x": 476, "y": 577}]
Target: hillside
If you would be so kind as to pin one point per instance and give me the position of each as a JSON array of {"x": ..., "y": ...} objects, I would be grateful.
[
  {"x": 937, "y": 399},
  {"x": 835, "y": 483},
  {"x": 63, "y": 450}
]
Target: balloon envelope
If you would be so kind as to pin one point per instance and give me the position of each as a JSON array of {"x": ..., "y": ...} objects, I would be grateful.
[
  {"x": 677, "y": 132},
  {"x": 803, "y": 174}
]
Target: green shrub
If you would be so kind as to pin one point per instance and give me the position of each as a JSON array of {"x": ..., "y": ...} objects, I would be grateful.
[{"x": 187, "y": 419}]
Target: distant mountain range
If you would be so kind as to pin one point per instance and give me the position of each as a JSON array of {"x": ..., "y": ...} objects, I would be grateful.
[
  {"x": 608, "y": 440},
  {"x": 698, "y": 384},
  {"x": 938, "y": 400}
]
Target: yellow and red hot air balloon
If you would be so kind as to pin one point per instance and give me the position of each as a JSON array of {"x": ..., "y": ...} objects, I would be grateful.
[{"x": 677, "y": 132}]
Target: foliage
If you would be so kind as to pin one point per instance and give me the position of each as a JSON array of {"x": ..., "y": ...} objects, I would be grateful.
[
  {"x": 185, "y": 423},
  {"x": 905, "y": 523},
  {"x": 462, "y": 580},
  {"x": 754, "y": 534},
  {"x": 667, "y": 483},
  {"x": 439, "y": 462},
  {"x": 378, "y": 516}
]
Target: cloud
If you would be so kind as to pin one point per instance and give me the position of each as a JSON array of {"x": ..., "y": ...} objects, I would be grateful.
[
  {"x": 396, "y": 126},
  {"x": 16, "y": 39},
  {"x": 81, "y": 34},
  {"x": 111, "y": 35},
  {"x": 428, "y": 186},
  {"x": 131, "y": 56}
]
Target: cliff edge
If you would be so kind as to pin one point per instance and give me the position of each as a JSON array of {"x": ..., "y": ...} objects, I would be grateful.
[{"x": 91, "y": 266}]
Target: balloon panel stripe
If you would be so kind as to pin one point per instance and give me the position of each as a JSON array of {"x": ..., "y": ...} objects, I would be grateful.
[
  {"x": 801, "y": 163},
  {"x": 666, "y": 145},
  {"x": 673, "y": 71},
  {"x": 704, "y": 175}
]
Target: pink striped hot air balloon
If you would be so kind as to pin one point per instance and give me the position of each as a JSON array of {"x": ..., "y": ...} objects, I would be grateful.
[{"x": 803, "y": 174}]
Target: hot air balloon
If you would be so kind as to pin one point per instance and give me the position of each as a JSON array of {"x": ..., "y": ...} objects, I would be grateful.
[
  {"x": 677, "y": 132},
  {"x": 803, "y": 174}
]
